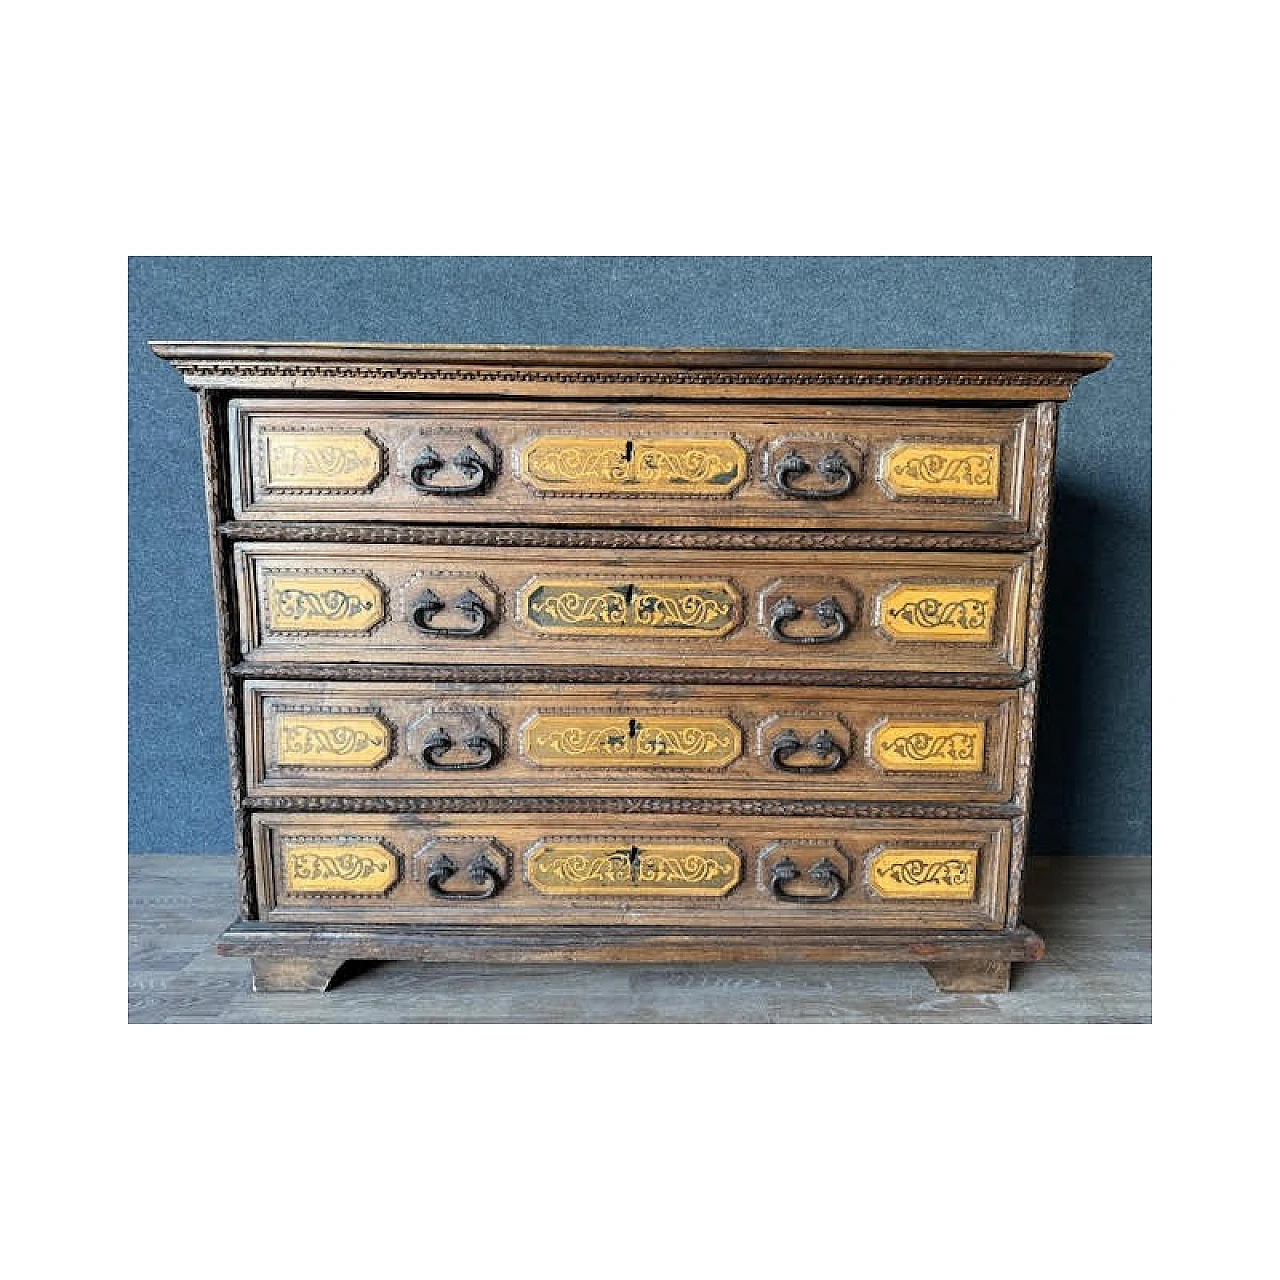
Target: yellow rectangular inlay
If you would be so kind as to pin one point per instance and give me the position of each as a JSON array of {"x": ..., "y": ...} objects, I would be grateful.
[
  {"x": 333, "y": 741},
  {"x": 321, "y": 460},
  {"x": 621, "y": 741},
  {"x": 939, "y": 611},
  {"x": 588, "y": 607},
  {"x": 642, "y": 467},
  {"x": 930, "y": 746},
  {"x": 925, "y": 873},
  {"x": 943, "y": 470},
  {"x": 322, "y": 602},
  {"x": 691, "y": 868},
  {"x": 340, "y": 866}
]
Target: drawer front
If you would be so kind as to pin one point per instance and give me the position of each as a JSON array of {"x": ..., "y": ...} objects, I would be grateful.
[
  {"x": 910, "y": 468},
  {"x": 863, "y": 611},
  {"x": 493, "y": 740},
  {"x": 594, "y": 869}
]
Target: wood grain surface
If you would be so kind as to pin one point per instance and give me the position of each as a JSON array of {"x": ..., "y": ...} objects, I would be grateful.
[{"x": 1094, "y": 913}]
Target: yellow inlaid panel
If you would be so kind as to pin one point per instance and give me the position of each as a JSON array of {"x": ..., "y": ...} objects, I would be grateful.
[
  {"x": 690, "y": 868},
  {"x": 622, "y": 741},
  {"x": 930, "y": 746},
  {"x": 323, "y": 602},
  {"x": 339, "y": 866},
  {"x": 321, "y": 460},
  {"x": 925, "y": 873},
  {"x": 585, "y": 607},
  {"x": 939, "y": 611},
  {"x": 652, "y": 467},
  {"x": 335, "y": 741},
  {"x": 943, "y": 470}
]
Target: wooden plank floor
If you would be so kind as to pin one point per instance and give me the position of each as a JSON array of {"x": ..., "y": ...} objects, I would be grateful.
[{"x": 1094, "y": 913}]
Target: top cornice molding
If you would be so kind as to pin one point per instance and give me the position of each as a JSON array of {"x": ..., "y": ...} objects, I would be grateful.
[{"x": 630, "y": 372}]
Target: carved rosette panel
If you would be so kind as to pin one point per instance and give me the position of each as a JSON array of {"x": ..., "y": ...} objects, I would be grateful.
[
  {"x": 591, "y": 607},
  {"x": 316, "y": 601},
  {"x": 938, "y": 612},
  {"x": 942, "y": 471},
  {"x": 679, "y": 868},
  {"x": 332, "y": 740},
  {"x": 653, "y": 467},
  {"x": 930, "y": 746},
  {"x": 341, "y": 866},
  {"x": 319, "y": 461},
  {"x": 924, "y": 873},
  {"x": 658, "y": 740}
]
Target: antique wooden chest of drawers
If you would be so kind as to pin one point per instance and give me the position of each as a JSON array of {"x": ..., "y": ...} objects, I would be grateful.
[{"x": 545, "y": 654}]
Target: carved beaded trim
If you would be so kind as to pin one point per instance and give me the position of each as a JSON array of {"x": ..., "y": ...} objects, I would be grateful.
[
  {"x": 461, "y": 803},
  {"x": 201, "y": 369},
  {"x": 485, "y": 674},
  {"x": 624, "y": 539}
]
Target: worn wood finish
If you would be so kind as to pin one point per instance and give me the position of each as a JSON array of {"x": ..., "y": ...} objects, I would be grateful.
[
  {"x": 615, "y": 870},
  {"x": 632, "y": 373},
  {"x": 702, "y": 551},
  {"x": 377, "y": 739},
  {"x": 1096, "y": 912},
  {"x": 813, "y": 467},
  {"x": 891, "y": 612}
]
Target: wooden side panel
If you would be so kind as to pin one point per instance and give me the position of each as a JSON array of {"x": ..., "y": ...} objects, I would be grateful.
[
  {"x": 349, "y": 739},
  {"x": 592, "y": 869},
  {"x": 561, "y": 607},
  {"x": 776, "y": 466}
]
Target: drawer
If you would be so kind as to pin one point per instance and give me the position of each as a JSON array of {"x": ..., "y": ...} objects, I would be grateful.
[
  {"x": 923, "y": 468},
  {"x": 593, "y": 869},
  {"x": 491, "y": 740},
  {"x": 694, "y": 611}
]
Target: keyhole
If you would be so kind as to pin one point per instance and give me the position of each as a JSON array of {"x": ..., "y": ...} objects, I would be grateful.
[{"x": 629, "y": 452}]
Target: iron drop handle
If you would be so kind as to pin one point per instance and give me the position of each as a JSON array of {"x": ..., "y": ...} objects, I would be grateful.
[
  {"x": 827, "y": 611},
  {"x": 834, "y": 469},
  {"x": 439, "y": 743},
  {"x": 824, "y": 872},
  {"x": 481, "y": 870},
  {"x": 468, "y": 604},
  {"x": 477, "y": 474},
  {"x": 789, "y": 743}
]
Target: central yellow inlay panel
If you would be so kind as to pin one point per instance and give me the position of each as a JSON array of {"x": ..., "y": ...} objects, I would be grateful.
[
  {"x": 589, "y": 607},
  {"x": 690, "y": 868},
  {"x": 652, "y": 467},
  {"x": 644, "y": 741}
]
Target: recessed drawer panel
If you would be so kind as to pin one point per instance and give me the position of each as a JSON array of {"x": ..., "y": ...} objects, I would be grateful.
[
  {"x": 492, "y": 740},
  {"x": 562, "y": 608},
  {"x": 848, "y": 467},
  {"x": 606, "y": 869}
]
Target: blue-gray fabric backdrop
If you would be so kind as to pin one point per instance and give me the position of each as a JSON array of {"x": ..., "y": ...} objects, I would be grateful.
[{"x": 1093, "y": 781}]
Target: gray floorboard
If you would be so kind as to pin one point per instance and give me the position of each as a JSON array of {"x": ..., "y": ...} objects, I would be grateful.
[{"x": 1094, "y": 913}]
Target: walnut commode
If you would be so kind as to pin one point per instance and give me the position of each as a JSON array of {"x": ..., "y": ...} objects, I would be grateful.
[{"x": 542, "y": 654}]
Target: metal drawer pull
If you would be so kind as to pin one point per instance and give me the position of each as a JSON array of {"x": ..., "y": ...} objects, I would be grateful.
[
  {"x": 468, "y": 604},
  {"x": 824, "y": 872},
  {"x": 789, "y": 743},
  {"x": 834, "y": 468},
  {"x": 827, "y": 611},
  {"x": 440, "y": 743},
  {"x": 481, "y": 870},
  {"x": 477, "y": 473}
]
